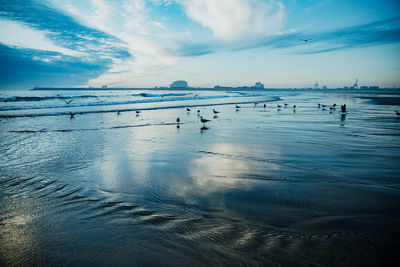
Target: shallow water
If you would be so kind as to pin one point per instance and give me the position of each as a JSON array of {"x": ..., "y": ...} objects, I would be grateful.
[{"x": 254, "y": 186}]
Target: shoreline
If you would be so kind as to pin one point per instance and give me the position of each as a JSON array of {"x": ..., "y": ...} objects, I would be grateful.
[{"x": 228, "y": 89}]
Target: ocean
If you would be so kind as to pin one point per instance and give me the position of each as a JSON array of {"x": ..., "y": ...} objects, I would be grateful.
[{"x": 109, "y": 177}]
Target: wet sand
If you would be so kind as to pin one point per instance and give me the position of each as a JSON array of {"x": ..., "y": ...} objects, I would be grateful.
[{"x": 254, "y": 186}]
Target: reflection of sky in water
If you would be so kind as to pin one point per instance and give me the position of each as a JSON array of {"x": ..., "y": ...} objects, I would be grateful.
[{"x": 258, "y": 166}]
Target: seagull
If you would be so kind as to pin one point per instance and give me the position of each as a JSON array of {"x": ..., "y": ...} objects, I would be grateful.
[
  {"x": 237, "y": 106},
  {"x": 203, "y": 120},
  {"x": 324, "y": 106},
  {"x": 279, "y": 106},
  {"x": 71, "y": 115},
  {"x": 137, "y": 112},
  {"x": 215, "y": 112},
  {"x": 68, "y": 101},
  {"x": 188, "y": 109}
]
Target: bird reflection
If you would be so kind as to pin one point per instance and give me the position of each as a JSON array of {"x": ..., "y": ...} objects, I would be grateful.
[
  {"x": 215, "y": 116},
  {"x": 342, "y": 119},
  {"x": 203, "y": 129}
]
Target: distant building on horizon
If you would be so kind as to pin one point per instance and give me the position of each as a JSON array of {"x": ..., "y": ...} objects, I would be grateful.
[
  {"x": 179, "y": 84},
  {"x": 258, "y": 85}
]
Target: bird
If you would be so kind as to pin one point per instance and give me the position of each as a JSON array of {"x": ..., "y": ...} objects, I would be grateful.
[
  {"x": 397, "y": 113},
  {"x": 305, "y": 40},
  {"x": 319, "y": 105},
  {"x": 285, "y": 104},
  {"x": 324, "y": 106},
  {"x": 188, "y": 109},
  {"x": 265, "y": 105},
  {"x": 215, "y": 112},
  {"x": 198, "y": 111},
  {"x": 334, "y": 105},
  {"x": 71, "y": 115},
  {"x": 178, "y": 120},
  {"x": 137, "y": 112},
  {"x": 203, "y": 120},
  {"x": 68, "y": 101},
  {"x": 343, "y": 108},
  {"x": 255, "y": 104},
  {"x": 118, "y": 112},
  {"x": 279, "y": 106},
  {"x": 294, "y": 106},
  {"x": 237, "y": 106}
]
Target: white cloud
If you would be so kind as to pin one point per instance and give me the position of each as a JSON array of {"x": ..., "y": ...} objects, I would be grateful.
[
  {"x": 20, "y": 35},
  {"x": 237, "y": 20}
]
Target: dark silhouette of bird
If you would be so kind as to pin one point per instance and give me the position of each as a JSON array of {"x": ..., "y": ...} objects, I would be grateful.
[
  {"x": 305, "y": 40},
  {"x": 198, "y": 111},
  {"x": 188, "y": 109},
  {"x": 203, "y": 120},
  {"x": 285, "y": 104},
  {"x": 265, "y": 105},
  {"x": 319, "y": 105},
  {"x": 255, "y": 104},
  {"x": 279, "y": 106},
  {"x": 323, "y": 106},
  {"x": 397, "y": 113},
  {"x": 118, "y": 112},
  {"x": 294, "y": 106},
  {"x": 68, "y": 101},
  {"x": 343, "y": 108},
  {"x": 178, "y": 120},
  {"x": 334, "y": 105},
  {"x": 137, "y": 113},
  {"x": 237, "y": 106},
  {"x": 215, "y": 112},
  {"x": 71, "y": 115}
]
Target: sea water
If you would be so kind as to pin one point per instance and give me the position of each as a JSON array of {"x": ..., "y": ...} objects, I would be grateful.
[{"x": 256, "y": 185}]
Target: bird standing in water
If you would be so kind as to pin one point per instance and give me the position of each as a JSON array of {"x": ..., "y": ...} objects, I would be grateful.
[{"x": 203, "y": 120}]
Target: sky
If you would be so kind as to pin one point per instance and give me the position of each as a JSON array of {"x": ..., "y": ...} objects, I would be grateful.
[{"x": 147, "y": 43}]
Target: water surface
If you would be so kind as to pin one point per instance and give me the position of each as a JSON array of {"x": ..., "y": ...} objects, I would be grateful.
[{"x": 255, "y": 185}]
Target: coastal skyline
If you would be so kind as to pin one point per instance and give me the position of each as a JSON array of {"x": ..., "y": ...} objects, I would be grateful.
[{"x": 151, "y": 43}]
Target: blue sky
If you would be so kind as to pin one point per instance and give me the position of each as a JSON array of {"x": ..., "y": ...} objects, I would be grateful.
[{"x": 146, "y": 43}]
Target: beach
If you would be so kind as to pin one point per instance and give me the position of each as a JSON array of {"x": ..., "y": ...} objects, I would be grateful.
[{"x": 93, "y": 182}]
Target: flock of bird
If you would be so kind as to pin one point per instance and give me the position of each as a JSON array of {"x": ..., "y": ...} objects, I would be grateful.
[{"x": 204, "y": 121}]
